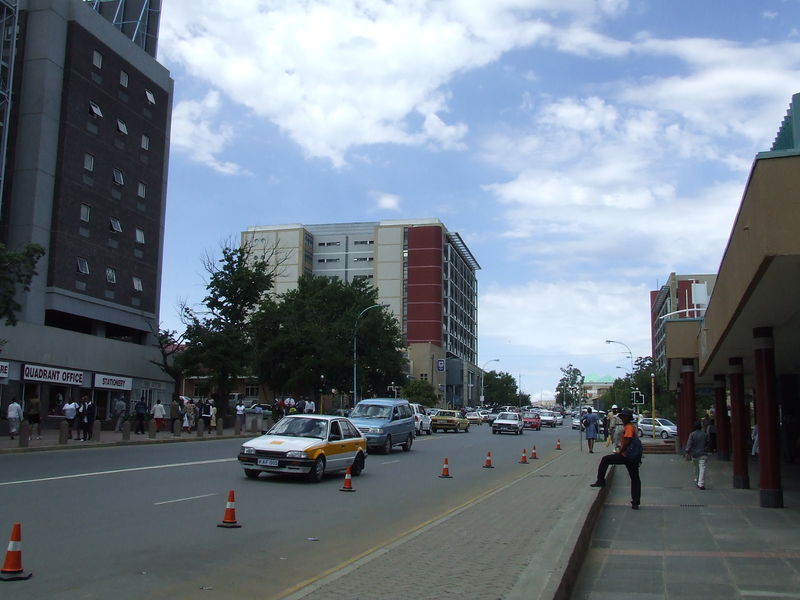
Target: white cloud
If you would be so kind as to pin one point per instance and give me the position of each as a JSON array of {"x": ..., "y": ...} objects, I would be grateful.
[
  {"x": 769, "y": 14},
  {"x": 384, "y": 201}
]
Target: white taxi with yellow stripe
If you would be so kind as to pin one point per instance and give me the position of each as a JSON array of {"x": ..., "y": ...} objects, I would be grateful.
[{"x": 311, "y": 445}]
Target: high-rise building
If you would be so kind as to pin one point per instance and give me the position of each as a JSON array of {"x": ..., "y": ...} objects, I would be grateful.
[
  {"x": 85, "y": 177},
  {"x": 422, "y": 271}
]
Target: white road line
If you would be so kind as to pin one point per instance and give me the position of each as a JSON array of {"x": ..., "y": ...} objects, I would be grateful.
[
  {"x": 390, "y": 462},
  {"x": 182, "y": 499},
  {"x": 76, "y": 475}
]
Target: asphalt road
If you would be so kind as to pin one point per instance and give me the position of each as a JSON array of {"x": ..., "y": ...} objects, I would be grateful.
[{"x": 134, "y": 522}]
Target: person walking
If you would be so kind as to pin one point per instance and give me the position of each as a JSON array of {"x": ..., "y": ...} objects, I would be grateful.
[
  {"x": 79, "y": 415},
  {"x": 628, "y": 453},
  {"x": 696, "y": 451},
  {"x": 205, "y": 412},
  {"x": 119, "y": 413},
  {"x": 140, "y": 409},
  {"x": 159, "y": 414},
  {"x": 213, "y": 422},
  {"x": 615, "y": 426},
  {"x": 175, "y": 413},
  {"x": 14, "y": 415},
  {"x": 89, "y": 415},
  {"x": 70, "y": 409},
  {"x": 590, "y": 423},
  {"x": 33, "y": 414},
  {"x": 191, "y": 414}
]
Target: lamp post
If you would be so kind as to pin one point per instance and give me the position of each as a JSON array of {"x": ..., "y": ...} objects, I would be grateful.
[
  {"x": 483, "y": 379},
  {"x": 355, "y": 355},
  {"x": 630, "y": 354}
]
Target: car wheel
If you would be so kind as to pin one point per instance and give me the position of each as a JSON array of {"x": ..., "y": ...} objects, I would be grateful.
[
  {"x": 433, "y": 429},
  {"x": 664, "y": 435},
  {"x": 387, "y": 445},
  {"x": 466, "y": 429},
  {"x": 494, "y": 430},
  {"x": 641, "y": 433},
  {"x": 358, "y": 465},
  {"x": 407, "y": 445},
  {"x": 318, "y": 470},
  {"x": 429, "y": 431},
  {"x": 252, "y": 473}
]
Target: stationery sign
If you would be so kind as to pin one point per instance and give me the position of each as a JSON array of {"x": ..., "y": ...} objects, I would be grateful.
[
  {"x": 52, "y": 375},
  {"x": 4, "y": 370},
  {"x": 113, "y": 382}
]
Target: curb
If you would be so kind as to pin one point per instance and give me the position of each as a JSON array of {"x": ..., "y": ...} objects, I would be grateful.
[{"x": 143, "y": 442}]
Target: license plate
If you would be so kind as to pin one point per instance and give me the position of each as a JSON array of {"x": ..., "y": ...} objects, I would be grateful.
[{"x": 268, "y": 462}]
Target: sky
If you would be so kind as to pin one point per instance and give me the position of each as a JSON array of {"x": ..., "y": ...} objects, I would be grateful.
[{"x": 583, "y": 149}]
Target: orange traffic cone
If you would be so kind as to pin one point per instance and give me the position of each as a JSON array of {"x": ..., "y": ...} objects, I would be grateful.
[
  {"x": 12, "y": 566},
  {"x": 446, "y": 471},
  {"x": 533, "y": 453},
  {"x": 230, "y": 513},
  {"x": 488, "y": 464},
  {"x": 524, "y": 459},
  {"x": 348, "y": 482},
  {"x": 558, "y": 444}
]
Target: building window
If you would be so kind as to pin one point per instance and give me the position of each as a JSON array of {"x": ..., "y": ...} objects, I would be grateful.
[
  {"x": 139, "y": 236},
  {"x": 123, "y": 79},
  {"x": 145, "y": 142},
  {"x": 251, "y": 391},
  {"x": 329, "y": 243},
  {"x": 86, "y": 212},
  {"x": 364, "y": 259},
  {"x": 137, "y": 284},
  {"x": 363, "y": 243},
  {"x": 97, "y": 59},
  {"x": 88, "y": 162},
  {"x": 151, "y": 99},
  {"x": 83, "y": 266},
  {"x": 119, "y": 177},
  {"x": 94, "y": 110},
  {"x": 111, "y": 275},
  {"x": 121, "y": 127},
  {"x": 142, "y": 191},
  {"x": 115, "y": 225}
]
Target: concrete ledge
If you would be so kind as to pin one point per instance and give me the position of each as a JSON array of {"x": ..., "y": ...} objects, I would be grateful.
[{"x": 75, "y": 445}]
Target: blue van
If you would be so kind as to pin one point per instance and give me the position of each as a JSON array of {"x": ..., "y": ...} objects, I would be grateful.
[{"x": 385, "y": 422}]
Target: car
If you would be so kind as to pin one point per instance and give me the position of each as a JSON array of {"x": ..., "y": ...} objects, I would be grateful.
[
  {"x": 449, "y": 420},
  {"x": 559, "y": 418},
  {"x": 385, "y": 422},
  {"x": 531, "y": 420},
  {"x": 474, "y": 418},
  {"x": 508, "y": 422},
  {"x": 664, "y": 427},
  {"x": 484, "y": 414},
  {"x": 576, "y": 423},
  {"x": 548, "y": 418},
  {"x": 422, "y": 422},
  {"x": 309, "y": 445}
]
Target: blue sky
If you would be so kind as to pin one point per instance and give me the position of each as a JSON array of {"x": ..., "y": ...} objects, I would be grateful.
[{"x": 583, "y": 149}]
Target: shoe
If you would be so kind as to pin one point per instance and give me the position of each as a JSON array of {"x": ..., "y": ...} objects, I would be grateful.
[
  {"x": 597, "y": 484},
  {"x": 701, "y": 487},
  {"x": 634, "y": 506},
  {"x": 591, "y": 451}
]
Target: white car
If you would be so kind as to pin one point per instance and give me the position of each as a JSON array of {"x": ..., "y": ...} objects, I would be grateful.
[
  {"x": 422, "y": 420},
  {"x": 664, "y": 428},
  {"x": 548, "y": 418},
  {"x": 508, "y": 422}
]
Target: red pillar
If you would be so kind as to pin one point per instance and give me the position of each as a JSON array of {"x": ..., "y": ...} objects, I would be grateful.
[
  {"x": 739, "y": 432},
  {"x": 769, "y": 440},
  {"x": 688, "y": 413},
  {"x": 721, "y": 418}
]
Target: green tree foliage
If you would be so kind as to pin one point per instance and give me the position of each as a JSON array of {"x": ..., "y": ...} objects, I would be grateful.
[
  {"x": 16, "y": 269},
  {"x": 500, "y": 389},
  {"x": 569, "y": 391},
  {"x": 641, "y": 380},
  {"x": 420, "y": 392}
]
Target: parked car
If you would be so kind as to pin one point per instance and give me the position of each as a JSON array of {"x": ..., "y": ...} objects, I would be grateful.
[
  {"x": 484, "y": 414},
  {"x": 510, "y": 422},
  {"x": 576, "y": 423},
  {"x": 548, "y": 418},
  {"x": 449, "y": 420},
  {"x": 311, "y": 445},
  {"x": 474, "y": 418},
  {"x": 422, "y": 422},
  {"x": 559, "y": 418},
  {"x": 531, "y": 420},
  {"x": 664, "y": 427},
  {"x": 385, "y": 422}
]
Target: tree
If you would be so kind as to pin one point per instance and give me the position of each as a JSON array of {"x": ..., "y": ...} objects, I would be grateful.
[
  {"x": 170, "y": 345},
  {"x": 500, "y": 389},
  {"x": 569, "y": 391},
  {"x": 16, "y": 269},
  {"x": 420, "y": 392}
]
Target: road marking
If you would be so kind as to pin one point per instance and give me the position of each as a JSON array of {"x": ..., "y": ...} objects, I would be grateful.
[
  {"x": 112, "y": 472},
  {"x": 183, "y": 499},
  {"x": 390, "y": 462}
]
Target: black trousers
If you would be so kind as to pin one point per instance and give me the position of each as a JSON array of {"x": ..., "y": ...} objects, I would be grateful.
[
  {"x": 139, "y": 423},
  {"x": 633, "y": 472}
]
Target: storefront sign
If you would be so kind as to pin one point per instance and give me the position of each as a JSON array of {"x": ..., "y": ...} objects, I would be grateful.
[
  {"x": 3, "y": 370},
  {"x": 113, "y": 382},
  {"x": 52, "y": 375}
]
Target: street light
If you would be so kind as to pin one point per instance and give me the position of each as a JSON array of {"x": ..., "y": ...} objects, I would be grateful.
[
  {"x": 630, "y": 354},
  {"x": 483, "y": 378},
  {"x": 355, "y": 356}
]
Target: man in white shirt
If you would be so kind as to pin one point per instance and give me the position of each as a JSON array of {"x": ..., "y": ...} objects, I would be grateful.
[
  {"x": 310, "y": 407},
  {"x": 70, "y": 409},
  {"x": 14, "y": 414}
]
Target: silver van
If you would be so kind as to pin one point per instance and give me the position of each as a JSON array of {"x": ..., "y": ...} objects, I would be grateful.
[{"x": 385, "y": 422}]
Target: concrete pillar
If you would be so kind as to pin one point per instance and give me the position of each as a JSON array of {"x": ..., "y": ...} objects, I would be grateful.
[
  {"x": 201, "y": 425},
  {"x": 220, "y": 428},
  {"x": 126, "y": 431},
  {"x": 739, "y": 432},
  {"x": 176, "y": 428},
  {"x": 151, "y": 429},
  {"x": 63, "y": 432},
  {"x": 97, "y": 427},
  {"x": 689, "y": 413},
  {"x": 24, "y": 433},
  {"x": 721, "y": 418},
  {"x": 769, "y": 438}
]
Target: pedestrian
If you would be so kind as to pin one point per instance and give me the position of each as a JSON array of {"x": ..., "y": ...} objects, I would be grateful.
[
  {"x": 628, "y": 453},
  {"x": 159, "y": 414},
  {"x": 754, "y": 438},
  {"x": 140, "y": 410},
  {"x": 34, "y": 417},
  {"x": 289, "y": 405},
  {"x": 14, "y": 415},
  {"x": 615, "y": 426},
  {"x": 185, "y": 416},
  {"x": 301, "y": 406},
  {"x": 70, "y": 409},
  {"x": 712, "y": 435},
  {"x": 79, "y": 415},
  {"x": 695, "y": 450},
  {"x": 206, "y": 414},
  {"x": 590, "y": 423},
  {"x": 191, "y": 414},
  {"x": 119, "y": 412},
  {"x": 213, "y": 421},
  {"x": 240, "y": 414},
  {"x": 89, "y": 415},
  {"x": 310, "y": 407},
  {"x": 174, "y": 412}
]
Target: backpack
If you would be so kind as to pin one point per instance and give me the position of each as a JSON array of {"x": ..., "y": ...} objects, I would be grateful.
[{"x": 633, "y": 451}]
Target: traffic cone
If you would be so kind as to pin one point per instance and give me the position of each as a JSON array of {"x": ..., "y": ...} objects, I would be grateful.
[
  {"x": 445, "y": 471},
  {"x": 524, "y": 459},
  {"x": 533, "y": 453},
  {"x": 558, "y": 444},
  {"x": 488, "y": 464},
  {"x": 348, "y": 482},
  {"x": 12, "y": 566},
  {"x": 230, "y": 513}
]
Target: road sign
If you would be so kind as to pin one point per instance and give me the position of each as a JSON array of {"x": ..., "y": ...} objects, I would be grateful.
[{"x": 440, "y": 365}]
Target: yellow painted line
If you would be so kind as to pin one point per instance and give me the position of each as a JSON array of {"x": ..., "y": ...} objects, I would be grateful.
[{"x": 298, "y": 591}]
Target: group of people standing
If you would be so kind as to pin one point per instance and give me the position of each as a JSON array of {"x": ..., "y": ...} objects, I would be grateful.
[{"x": 80, "y": 416}]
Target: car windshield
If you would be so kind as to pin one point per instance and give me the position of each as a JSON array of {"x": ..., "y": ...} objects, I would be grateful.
[
  {"x": 446, "y": 413},
  {"x": 300, "y": 427},
  {"x": 508, "y": 416},
  {"x": 528, "y": 415},
  {"x": 371, "y": 411}
]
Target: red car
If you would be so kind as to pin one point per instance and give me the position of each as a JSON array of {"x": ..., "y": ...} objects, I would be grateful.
[{"x": 531, "y": 421}]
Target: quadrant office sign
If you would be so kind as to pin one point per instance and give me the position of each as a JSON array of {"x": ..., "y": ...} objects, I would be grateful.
[{"x": 51, "y": 375}]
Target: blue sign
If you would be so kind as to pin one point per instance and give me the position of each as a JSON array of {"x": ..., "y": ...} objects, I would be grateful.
[{"x": 440, "y": 365}]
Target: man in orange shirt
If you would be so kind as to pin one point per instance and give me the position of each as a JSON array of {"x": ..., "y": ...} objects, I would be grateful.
[{"x": 628, "y": 453}]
